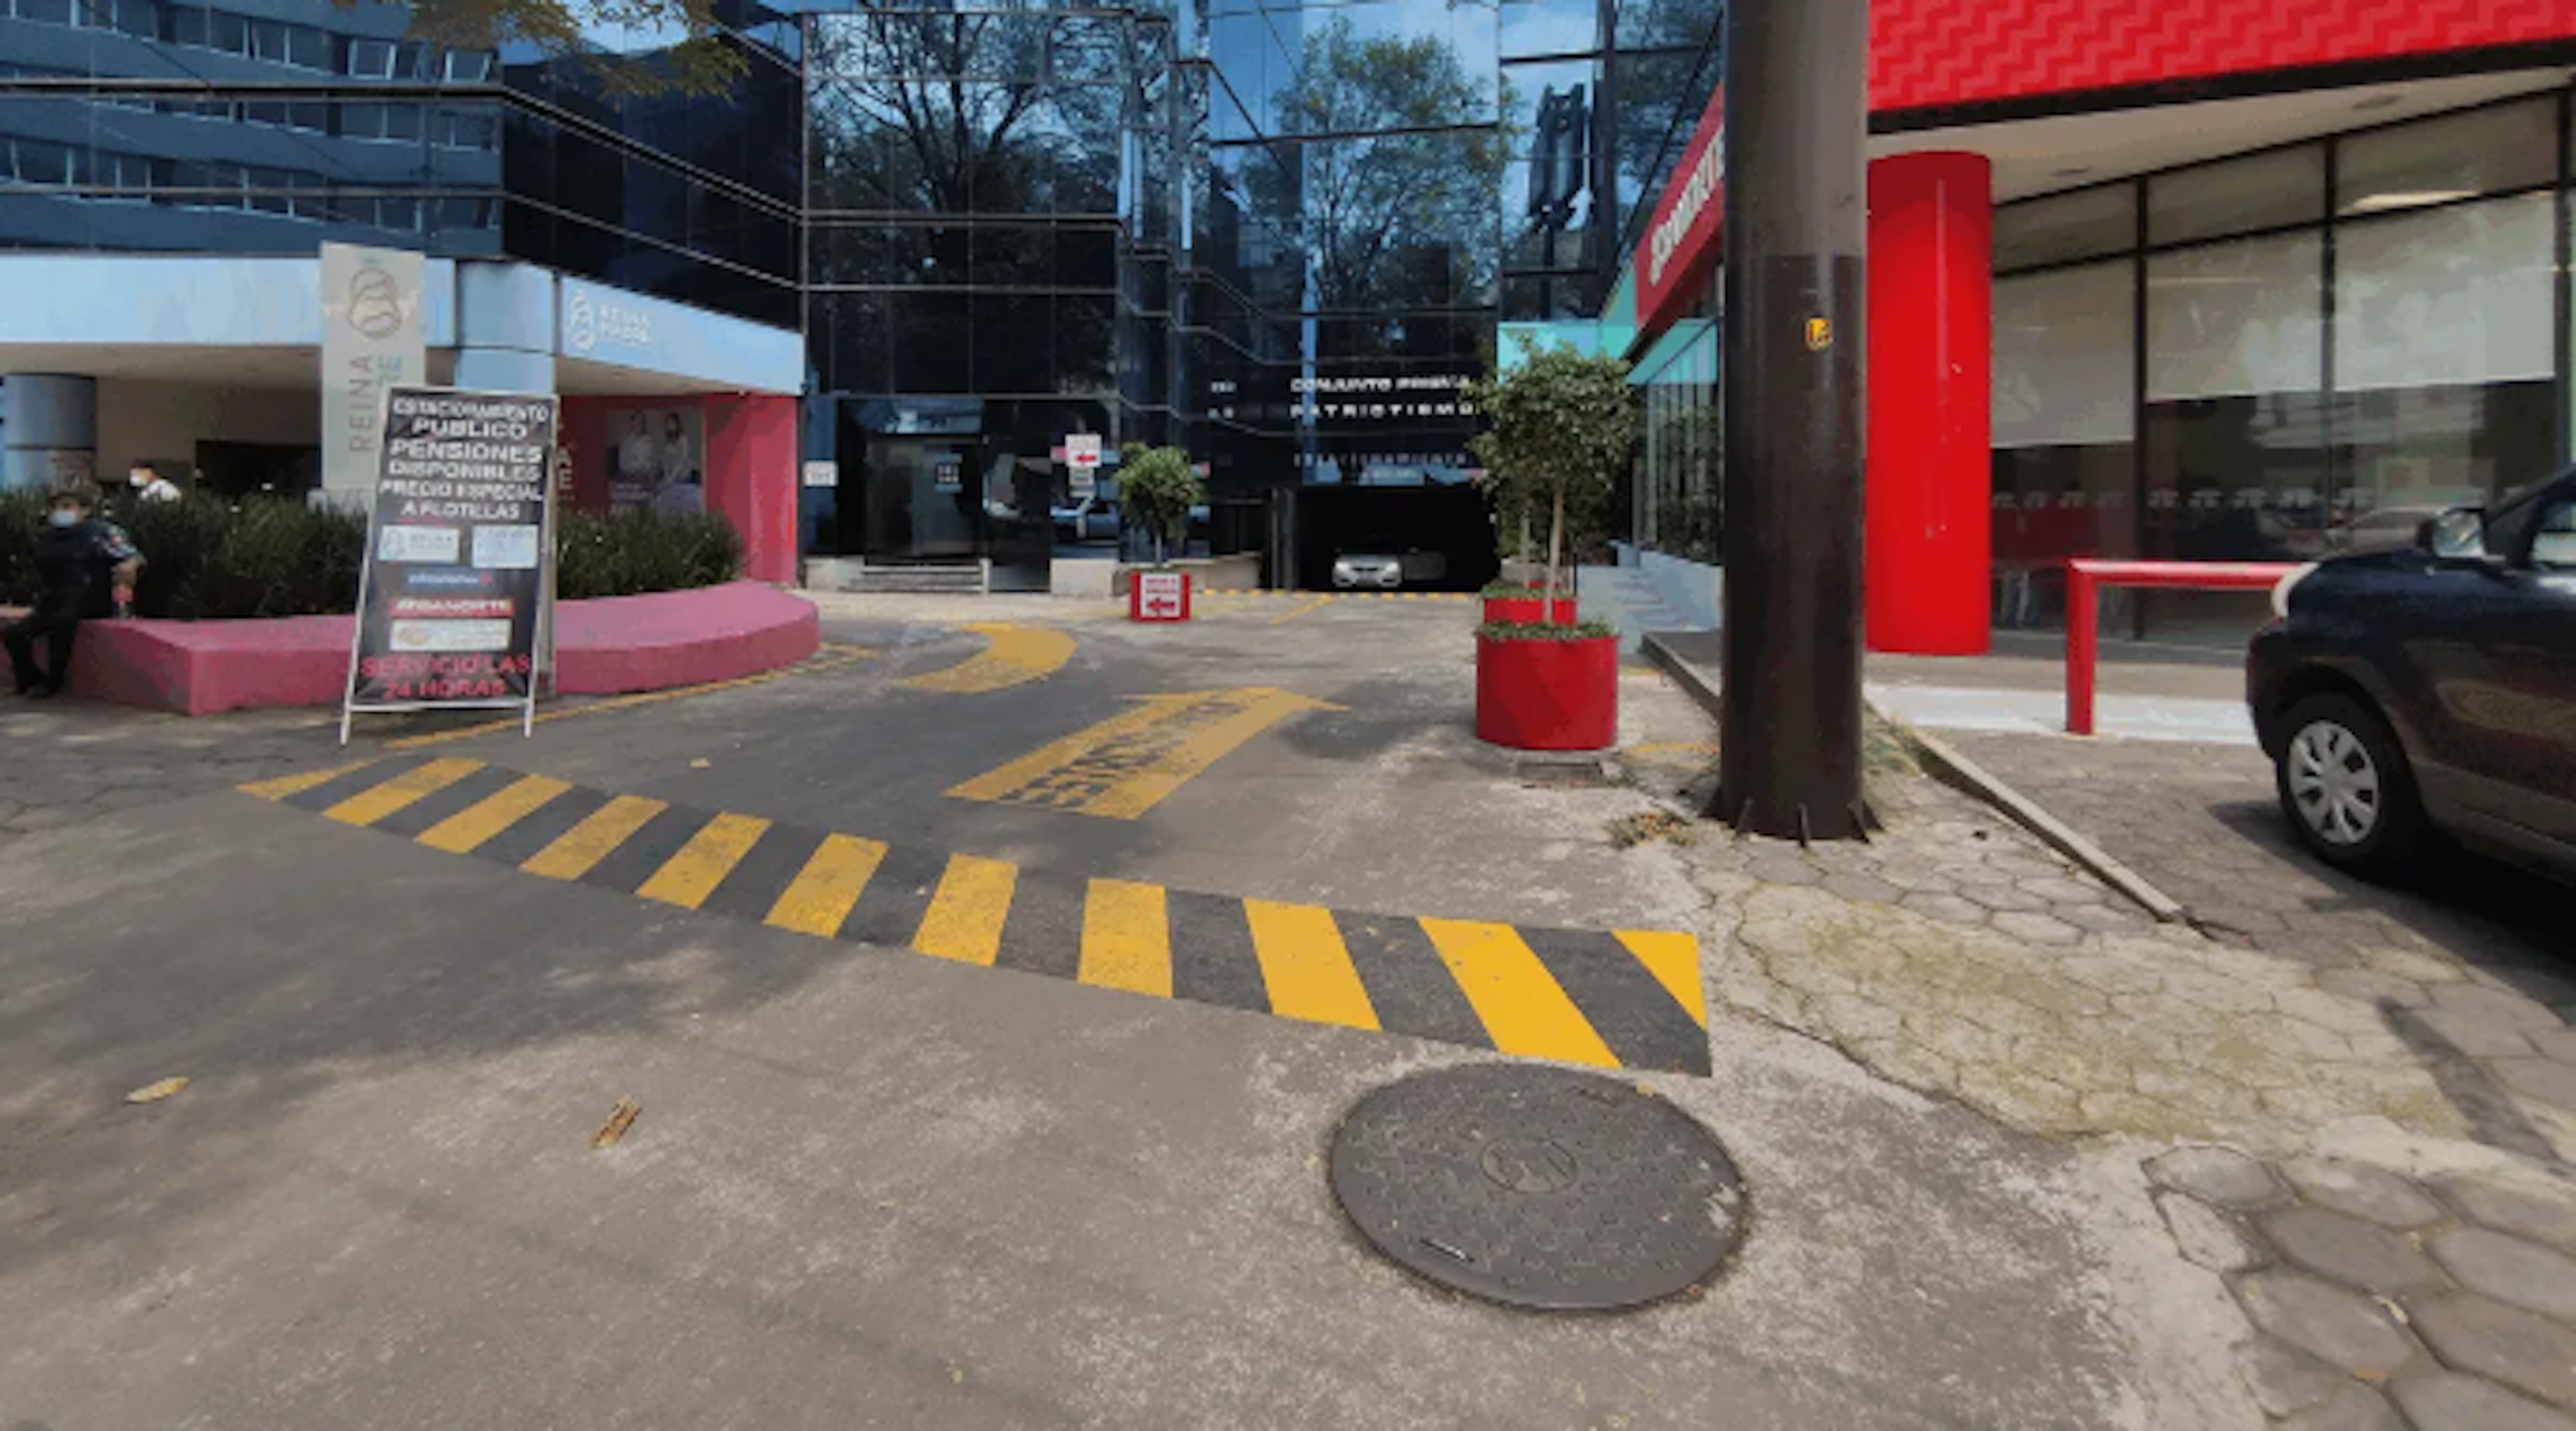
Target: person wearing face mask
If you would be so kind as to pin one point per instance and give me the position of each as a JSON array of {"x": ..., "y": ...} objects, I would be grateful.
[
  {"x": 150, "y": 486},
  {"x": 85, "y": 567}
]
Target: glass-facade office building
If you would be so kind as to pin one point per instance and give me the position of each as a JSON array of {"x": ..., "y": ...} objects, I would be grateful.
[
  {"x": 1279, "y": 235},
  {"x": 2263, "y": 293}
]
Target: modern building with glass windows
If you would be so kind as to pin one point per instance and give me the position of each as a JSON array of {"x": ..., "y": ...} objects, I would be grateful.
[
  {"x": 2283, "y": 281},
  {"x": 2224, "y": 278}
]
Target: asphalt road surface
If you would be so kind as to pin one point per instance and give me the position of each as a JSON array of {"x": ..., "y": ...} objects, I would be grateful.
[{"x": 990, "y": 997}]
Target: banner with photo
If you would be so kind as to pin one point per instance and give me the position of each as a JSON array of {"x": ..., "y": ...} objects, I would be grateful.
[
  {"x": 451, "y": 599},
  {"x": 657, "y": 459}
]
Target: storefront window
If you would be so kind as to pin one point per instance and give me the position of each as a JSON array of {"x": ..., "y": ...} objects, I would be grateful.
[
  {"x": 2445, "y": 355},
  {"x": 2084, "y": 224},
  {"x": 2064, "y": 417},
  {"x": 2455, "y": 157},
  {"x": 2234, "y": 421},
  {"x": 2260, "y": 191}
]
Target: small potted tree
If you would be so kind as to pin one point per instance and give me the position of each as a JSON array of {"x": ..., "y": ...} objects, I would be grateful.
[
  {"x": 1157, "y": 487},
  {"x": 1561, "y": 428}
]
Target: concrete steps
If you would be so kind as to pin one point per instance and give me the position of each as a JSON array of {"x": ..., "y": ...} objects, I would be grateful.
[{"x": 940, "y": 579}]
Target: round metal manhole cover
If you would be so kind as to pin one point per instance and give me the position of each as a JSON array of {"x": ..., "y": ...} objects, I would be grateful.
[{"x": 1535, "y": 1187}]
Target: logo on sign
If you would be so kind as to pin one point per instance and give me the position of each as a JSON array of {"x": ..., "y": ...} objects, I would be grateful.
[
  {"x": 375, "y": 303},
  {"x": 1696, "y": 191},
  {"x": 589, "y": 322}
]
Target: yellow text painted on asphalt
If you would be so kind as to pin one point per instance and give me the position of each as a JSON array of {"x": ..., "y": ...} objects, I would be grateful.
[
  {"x": 1125, "y": 765},
  {"x": 1012, "y": 656}
]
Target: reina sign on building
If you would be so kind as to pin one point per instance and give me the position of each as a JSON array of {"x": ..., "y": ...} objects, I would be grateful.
[{"x": 1681, "y": 247}]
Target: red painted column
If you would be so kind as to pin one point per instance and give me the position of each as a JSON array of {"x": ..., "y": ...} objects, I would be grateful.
[{"x": 1931, "y": 345}]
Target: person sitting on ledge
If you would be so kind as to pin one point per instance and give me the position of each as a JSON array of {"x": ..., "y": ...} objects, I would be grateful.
[{"x": 85, "y": 567}]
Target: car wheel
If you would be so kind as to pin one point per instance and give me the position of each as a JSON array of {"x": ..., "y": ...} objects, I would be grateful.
[{"x": 2346, "y": 787}]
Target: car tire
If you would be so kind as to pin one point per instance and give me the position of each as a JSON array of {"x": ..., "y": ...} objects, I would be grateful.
[{"x": 2346, "y": 788}]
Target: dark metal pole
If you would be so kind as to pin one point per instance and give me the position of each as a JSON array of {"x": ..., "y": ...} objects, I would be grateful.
[{"x": 1796, "y": 231}]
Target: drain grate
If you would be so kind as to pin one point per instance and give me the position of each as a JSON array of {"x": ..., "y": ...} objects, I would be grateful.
[{"x": 1536, "y": 1187}]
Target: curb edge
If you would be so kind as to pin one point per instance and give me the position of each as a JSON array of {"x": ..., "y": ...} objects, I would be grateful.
[{"x": 1961, "y": 773}]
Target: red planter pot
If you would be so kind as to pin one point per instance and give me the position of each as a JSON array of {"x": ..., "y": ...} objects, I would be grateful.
[
  {"x": 1548, "y": 695},
  {"x": 1526, "y": 609}
]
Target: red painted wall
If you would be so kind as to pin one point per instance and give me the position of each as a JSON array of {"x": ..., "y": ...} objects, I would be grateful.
[
  {"x": 1934, "y": 54},
  {"x": 751, "y": 478},
  {"x": 751, "y": 467},
  {"x": 1947, "y": 54}
]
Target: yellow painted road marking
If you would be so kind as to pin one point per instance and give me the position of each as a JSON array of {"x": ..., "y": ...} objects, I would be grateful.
[
  {"x": 467, "y": 829},
  {"x": 1674, "y": 961},
  {"x": 369, "y": 806},
  {"x": 1123, "y": 766},
  {"x": 824, "y": 891},
  {"x": 1127, "y": 938},
  {"x": 1306, "y": 966},
  {"x": 840, "y": 656},
  {"x": 288, "y": 785},
  {"x": 586, "y": 844},
  {"x": 1294, "y": 612},
  {"x": 965, "y": 918},
  {"x": 688, "y": 877},
  {"x": 1012, "y": 656},
  {"x": 1519, "y": 1001}
]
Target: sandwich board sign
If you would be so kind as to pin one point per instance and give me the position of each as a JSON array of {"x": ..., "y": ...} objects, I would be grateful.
[{"x": 455, "y": 596}]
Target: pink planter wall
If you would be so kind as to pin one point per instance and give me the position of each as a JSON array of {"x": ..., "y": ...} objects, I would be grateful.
[{"x": 611, "y": 646}]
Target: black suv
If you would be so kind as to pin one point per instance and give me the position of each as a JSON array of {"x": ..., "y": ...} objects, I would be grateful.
[{"x": 2430, "y": 689}]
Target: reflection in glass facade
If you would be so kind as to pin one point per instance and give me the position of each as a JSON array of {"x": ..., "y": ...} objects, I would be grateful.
[
  {"x": 162, "y": 126},
  {"x": 1278, "y": 233}
]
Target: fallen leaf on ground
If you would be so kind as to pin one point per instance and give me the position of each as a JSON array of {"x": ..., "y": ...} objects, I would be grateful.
[
  {"x": 700, "y": 763},
  {"x": 619, "y": 1120},
  {"x": 155, "y": 1092}
]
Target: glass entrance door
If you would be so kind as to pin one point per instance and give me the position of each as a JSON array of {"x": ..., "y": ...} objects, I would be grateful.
[{"x": 925, "y": 499}]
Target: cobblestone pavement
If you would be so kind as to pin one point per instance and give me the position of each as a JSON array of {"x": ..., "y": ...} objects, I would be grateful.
[
  {"x": 2473, "y": 968},
  {"x": 2444, "y": 1301},
  {"x": 1958, "y": 955}
]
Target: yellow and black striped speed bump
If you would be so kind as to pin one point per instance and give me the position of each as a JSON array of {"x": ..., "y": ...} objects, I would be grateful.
[{"x": 1620, "y": 998}]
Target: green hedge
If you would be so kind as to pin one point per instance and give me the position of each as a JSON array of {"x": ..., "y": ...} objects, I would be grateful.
[
  {"x": 206, "y": 559},
  {"x": 634, "y": 551}
]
